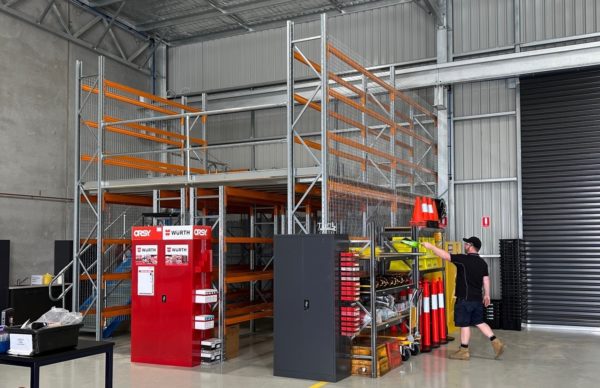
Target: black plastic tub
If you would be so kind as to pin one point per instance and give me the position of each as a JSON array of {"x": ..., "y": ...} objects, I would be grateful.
[{"x": 49, "y": 339}]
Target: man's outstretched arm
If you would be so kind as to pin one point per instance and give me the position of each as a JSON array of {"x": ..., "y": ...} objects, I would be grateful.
[{"x": 438, "y": 252}]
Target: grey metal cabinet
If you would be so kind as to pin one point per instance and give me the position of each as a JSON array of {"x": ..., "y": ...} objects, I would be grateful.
[{"x": 308, "y": 344}]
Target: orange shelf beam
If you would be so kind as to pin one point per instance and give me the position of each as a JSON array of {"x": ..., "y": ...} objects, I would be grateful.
[
  {"x": 301, "y": 100},
  {"x": 248, "y": 317},
  {"x": 141, "y": 93},
  {"x": 108, "y": 277},
  {"x": 154, "y": 130},
  {"x": 234, "y": 192},
  {"x": 121, "y": 131},
  {"x": 381, "y": 154},
  {"x": 243, "y": 276},
  {"x": 350, "y": 62},
  {"x": 114, "y": 311},
  {"x": 248, "y": 240},
  {"x": 121, "y": 199},
  {"x": 130, "y": 101},
  {"x": 344, "y": 188},
  {"x": 143, "y": 164}
]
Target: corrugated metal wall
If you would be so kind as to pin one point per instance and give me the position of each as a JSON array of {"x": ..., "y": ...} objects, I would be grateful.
[
  {"x": 561, "y": 208},
  {"x": 489, "y": 24},
  {"x": 485, "y": 148},
  {"x": 395, "y": 34},
  {"x": 549, "y": 19},
  {"x": 482, "y": 24}
]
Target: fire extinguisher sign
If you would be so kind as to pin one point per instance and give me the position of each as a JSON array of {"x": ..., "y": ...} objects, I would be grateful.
[{"x": 485, "y": 221}]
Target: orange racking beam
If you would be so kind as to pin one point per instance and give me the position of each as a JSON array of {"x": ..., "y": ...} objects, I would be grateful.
[
  {"x": 349, "y": 121},
  {"x": 234, "y": 192},
  {"x": 248, "y": 317},
  {"x": 130, "y": 101},
  {"x": 374, "y": 151},
  {"x": 367, "y": 193},
  {"x": 354, "y": 158},
  {"x": 154, "y": 130},
  {"x": 122, "y": 199},
  {"x": 113, "y": 311},
  {"x": 248, "y": 240},
  {"x": 380, "y": 82},
  {"x": 107, "y": 277},
  {"x": 249, "y": 308},
  {"x": 377, "y": 116},
  {"x": 121, "y": 131},
  {"x": 150, "y": 96},
  {"x": 356, "y": 90},
  {"x": 309, "y": 143},
  {"x": 302, "y": 187},
  {"x": 143, "y": 164}
]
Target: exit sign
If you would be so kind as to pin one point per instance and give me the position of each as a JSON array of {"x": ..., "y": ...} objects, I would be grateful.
[{"x": 485, "y": 221}]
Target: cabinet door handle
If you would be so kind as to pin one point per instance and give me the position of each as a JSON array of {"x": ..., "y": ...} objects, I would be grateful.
[{"x": 306, "y": 304}]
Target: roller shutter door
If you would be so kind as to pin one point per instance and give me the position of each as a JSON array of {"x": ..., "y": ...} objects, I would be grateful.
[{"x": 560, "y": 146}]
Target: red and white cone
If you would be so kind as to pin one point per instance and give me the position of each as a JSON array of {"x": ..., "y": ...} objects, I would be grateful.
[
  {"x": 442, "y": 313},
  {"x": 425, "y": 321},
  {"x": 435, "y": 319}
]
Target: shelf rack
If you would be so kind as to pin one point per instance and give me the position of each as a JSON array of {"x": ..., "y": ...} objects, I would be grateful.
[{"x": 138, "y": 153}]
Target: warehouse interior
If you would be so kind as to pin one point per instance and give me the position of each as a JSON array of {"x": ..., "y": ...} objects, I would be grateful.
[{"x": 252, "y": 122}]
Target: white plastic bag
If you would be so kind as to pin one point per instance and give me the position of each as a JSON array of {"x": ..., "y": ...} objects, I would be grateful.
[{"x": 60, "y": 317}]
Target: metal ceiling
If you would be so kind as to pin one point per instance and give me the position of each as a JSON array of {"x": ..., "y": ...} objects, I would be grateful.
[{"x": 181, "y": 21}]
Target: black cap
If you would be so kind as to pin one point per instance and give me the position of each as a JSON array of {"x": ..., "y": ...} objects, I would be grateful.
[{"x": 473, "y": 241}]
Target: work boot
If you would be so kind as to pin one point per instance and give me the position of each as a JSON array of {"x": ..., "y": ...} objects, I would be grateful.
[
  {"x": 498, "y": 347},
  {"x": 461, "y": 354}
]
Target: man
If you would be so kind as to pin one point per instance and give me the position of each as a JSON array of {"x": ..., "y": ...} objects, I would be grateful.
[{"x": 471, "y": 277}]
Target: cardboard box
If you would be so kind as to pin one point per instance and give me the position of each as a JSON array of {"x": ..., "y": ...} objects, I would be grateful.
[{"x": 232, "y": 341}]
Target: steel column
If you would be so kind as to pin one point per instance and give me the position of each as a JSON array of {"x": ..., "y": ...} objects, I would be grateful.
[
  {"x": 252, "y": 258},
  {"x": 519, "y": 166},
  {"x": 393, "y": 206},
  {"x": 99, "y": 200},
  {"x": 324, "y": 117},
  {"x": 222, "y": 262},
  {"x": 76, "y": 186},
  {"x": 291, "y": 187}
]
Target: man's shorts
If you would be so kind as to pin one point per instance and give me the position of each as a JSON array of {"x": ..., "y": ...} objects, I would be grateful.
[{"x": 468, "y": 313}]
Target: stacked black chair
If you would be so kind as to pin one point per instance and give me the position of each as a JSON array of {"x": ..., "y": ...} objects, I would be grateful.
[
  {"x": 513, "y": 280},
  {"x": 493, "y": 314}
]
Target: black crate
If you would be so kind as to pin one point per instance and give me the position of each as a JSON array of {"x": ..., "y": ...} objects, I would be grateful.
[
  {"x": 48, "y": 339},
  {"x": 493, "y": 314}
]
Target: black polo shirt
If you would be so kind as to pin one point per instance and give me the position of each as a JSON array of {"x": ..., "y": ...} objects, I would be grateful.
[{"x": 470, "y": 270}]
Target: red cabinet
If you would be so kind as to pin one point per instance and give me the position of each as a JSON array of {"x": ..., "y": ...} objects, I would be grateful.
[{"x": 169, "y": 263}]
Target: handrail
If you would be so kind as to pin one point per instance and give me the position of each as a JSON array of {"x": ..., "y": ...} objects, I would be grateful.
[{"x": 55, "y": 279}]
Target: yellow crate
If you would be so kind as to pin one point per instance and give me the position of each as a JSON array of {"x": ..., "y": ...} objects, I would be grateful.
[
  {"x": 399, "y": 246},
  {"x": 453, "y": 247},
  {"x": 399, "y": 266}
]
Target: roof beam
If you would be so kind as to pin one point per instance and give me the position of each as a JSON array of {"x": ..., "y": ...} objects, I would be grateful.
[
  {"x": 193, "y": 17},
  {"x": 99, "y": 3},
  {"x": 336, "y": 4},
  {"x": 432, "y": 9},
  {"x": 306, "y": 17}
]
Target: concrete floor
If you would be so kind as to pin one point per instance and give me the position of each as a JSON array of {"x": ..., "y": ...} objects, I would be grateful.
[{"x": 534, "y": 358}]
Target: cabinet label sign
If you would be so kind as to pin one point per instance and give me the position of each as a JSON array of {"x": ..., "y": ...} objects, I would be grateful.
[{"x": 485, "y": 221}]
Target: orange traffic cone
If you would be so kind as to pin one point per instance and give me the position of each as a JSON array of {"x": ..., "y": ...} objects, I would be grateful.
[
  {"x": 418, "y": 217},
  {"x": 435, "y": 319},
  {"x": 436, "y": 216},
  {"x": 425, "y": 320},
  {"x": 442, "y": 313}
]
